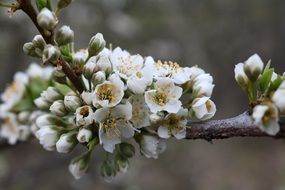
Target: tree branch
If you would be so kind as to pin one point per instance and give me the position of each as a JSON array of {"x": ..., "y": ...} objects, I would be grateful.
[
  {"x": 27, "y": 7},
  {"x": 240, "y": 126}
]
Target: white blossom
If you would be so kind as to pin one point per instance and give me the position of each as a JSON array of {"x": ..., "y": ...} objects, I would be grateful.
[
  {"x": 174, "y": 124},
  {"x": 266, "y": 118},
  {"x": 140, "y": 111},
  {"x": 78, "y": 168},
  {"x": 253, "y": 66},
  {"x": 204, "y": 108},
  {"x": 279, "y": 98},
  {"x": 109, "y": 93},
  {"x": 164, "y": 96},
  {"x": 84, "y": 116},
  {"x": 51, "y": 94},
  {"x": 152, "y": 146},
  {"x": 10, "y": 128},
  {"x": 203, "y": 88},
  {"x": 124, "y": 64},
  {"x": 72, "y": 102},
  {"x": 114, "y": 125}
]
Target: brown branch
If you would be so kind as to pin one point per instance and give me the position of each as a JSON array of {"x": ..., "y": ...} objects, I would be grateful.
[
  {"x": 27, "y": 7},
  {"x": 240, "y": 126}
]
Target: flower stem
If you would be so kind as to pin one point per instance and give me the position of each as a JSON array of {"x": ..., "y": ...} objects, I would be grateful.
[{"x": 6, "y": 5}]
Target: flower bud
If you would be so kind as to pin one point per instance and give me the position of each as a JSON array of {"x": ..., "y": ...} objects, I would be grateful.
[
  {"x": 51, "y": 94},
  {"x": 72, "y": 102},
  {"x": 80, "y": 57},
  {"x": 96, "y": 44},
  {"x": 79, "y": 166},
  {"x": 278, "y": 99},
  {"x": 64, "y": 36},
  {"x": 89, "y": 68},
  {"x": 29, "y": 49},
  {"x": 66, "y": 142},
  {"x": 240, "y": 75},
  {"x": 24, "y": 116},
  {"x": 204, "y": 108},
  {"x": 107, "y": 171},
  {"x": 41, "y": 103},
  {"x": 203, "y": 89},
  {"x": 58, "y": 108},
  {"x": 253, "y": 67},
  {"x": 48, "y": 137},
  {"x": 121, "y": 164},
  {"x": 51, "y": 54},
  {"x": 84, "y": 135},
  {"x": 47, "y": 119},
  {"x": 39, "y": 42},
  {"x": 151, "y": 146},
  {"x": 155, "y": 118},
  {"x": 98, "y": 78},
  {"x": 104, "y": 64},
  {"x": 127, "y": 150},
  {"x": 63, "y": 3},
  {"x": 46, "y": 19},
  {"x": 59, "y": 76}
]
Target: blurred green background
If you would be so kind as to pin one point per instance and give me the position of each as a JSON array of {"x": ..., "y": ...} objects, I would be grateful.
[{"x": 214, "y": 34}]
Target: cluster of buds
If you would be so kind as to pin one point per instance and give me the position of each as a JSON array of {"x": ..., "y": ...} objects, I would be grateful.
[
  {"x": 17, "y": 110},
  {"x": 265, "y": 90}
]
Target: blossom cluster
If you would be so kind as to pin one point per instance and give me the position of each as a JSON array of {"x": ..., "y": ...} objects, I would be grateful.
[
  {"x": 126, "y": 97},
  {"x": 265, "y": 90}
]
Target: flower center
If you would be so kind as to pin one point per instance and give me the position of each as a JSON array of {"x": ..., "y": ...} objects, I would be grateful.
[
  {"x": 110, "y": 126},
  {"x": 84, "y": 111},
  {"x": 269, "y": 116},
  {"x": 105, "y": 92},
  {"x": 139, "y": 75},
  {"x": 160, "y": 98},
  {"x": 208, "y": 106}
]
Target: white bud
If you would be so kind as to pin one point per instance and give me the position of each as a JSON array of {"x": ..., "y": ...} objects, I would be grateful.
[
  {"x": 195, "y": 72},
  {"x": 89, "y": 67},
  {"x": 152, "y": 146},
  {"x": 96, "y": 44},
  {"x": 104, "y": 64},
  {"x": 203, "y": 89},
  {"x": 80, "y": 57},
  {"x": 39, "y": 42},
  {"x": 24, "y": 116},
  {"x": 84, "y": 135},
  {"x": 58, "y": 108},
  {"x": 278, "y": 99},
  {"x": 204, "y": 108},
  {"x": 72, "y": 102},
  {"x": 87, "y": 97},
  {"x": 51, "y": 54},
  {"x": 29, "y": 49},
  {"x": 66, "y": 142},
  {"x": 45, "y": 120},
  {"x": 41, "y": 103},
  {"x": 64, "y": 36},
  {"x": 155, "y": 118},
  {"x": 253, "y": 67},
  {"x": 51, "y": 94},
  {"x": 47, "y": 19},
  {"x": 240, "y": 75},
  {"x": 98, "y": 77},
  {"x": 48, "y": 137},
  {"x": 78, "y": 167},
  {"x": 204, "y": 78}
]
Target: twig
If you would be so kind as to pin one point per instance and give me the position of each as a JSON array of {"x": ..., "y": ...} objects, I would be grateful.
[
  {"x": 240, "y": 126},
  {"x": 27, "y": 7}
]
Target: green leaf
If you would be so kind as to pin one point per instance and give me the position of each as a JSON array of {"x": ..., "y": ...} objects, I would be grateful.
[
  {"x": 36, "y": 87},
  {"x": 276, "y": 83},
  {"x": 63, "y": 89},
  {"x": 265, "y": 79},
  {"x": 43, "y": 4},
  {"x": 24, "y": 105}
]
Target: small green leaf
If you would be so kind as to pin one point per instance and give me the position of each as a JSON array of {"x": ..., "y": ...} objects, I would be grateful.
[
  {"x": 43, "y": 4},
  {"x": 24, "y": 105},
  {"x": 36, "y": 87},
  {"x": 265, "y": 79},
  {"x": 276, "y": 83},
  {"x": 267, "y": 67},
  {"x": 63, "y": 89}
]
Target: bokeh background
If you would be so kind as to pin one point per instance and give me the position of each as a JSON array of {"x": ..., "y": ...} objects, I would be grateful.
[{"x": 213, "y": 34}]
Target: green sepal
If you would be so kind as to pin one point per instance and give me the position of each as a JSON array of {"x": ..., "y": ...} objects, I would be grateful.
[
  {"x": 36, "y": 87},
  {"x": 25, "y": 104},
  {"x": 265, "y": 79},
  {"x": 276, "y": 83}
]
